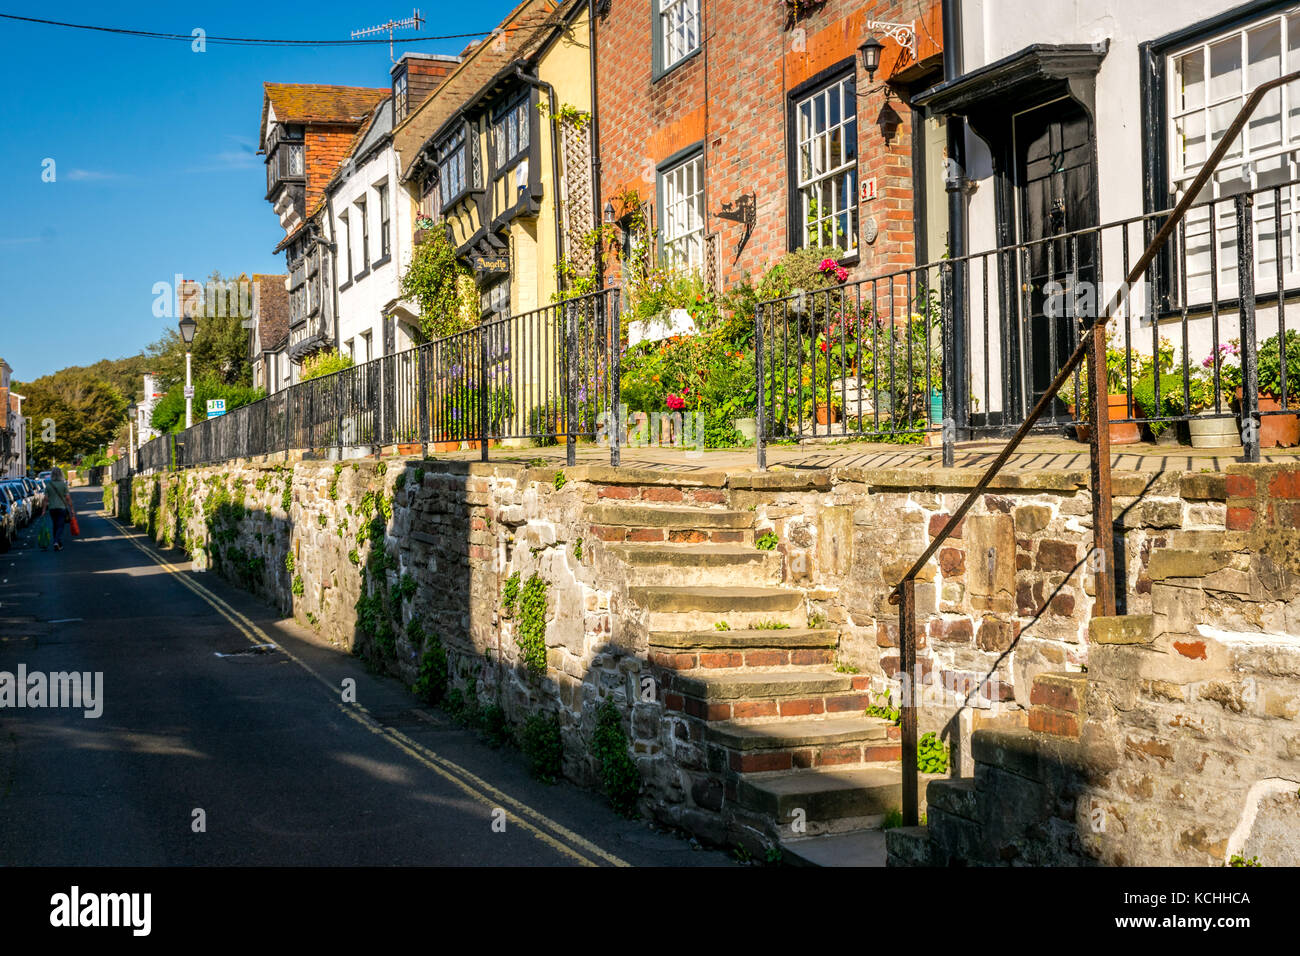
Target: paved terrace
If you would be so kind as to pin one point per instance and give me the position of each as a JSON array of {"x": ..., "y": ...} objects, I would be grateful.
[{"x": 1036, "y": 454}]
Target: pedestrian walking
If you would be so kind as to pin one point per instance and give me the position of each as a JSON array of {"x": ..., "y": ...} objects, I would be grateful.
[{"x": 60, "y": 500}]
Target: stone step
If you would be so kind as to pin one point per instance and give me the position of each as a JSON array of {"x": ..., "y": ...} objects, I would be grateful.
[
  {"x": 789, "y": 744},
  {"x": 791, "y": 638},
  {"x": 852, "y": 848},
  {"x": 857, "y": 798},
  {"x": 738, "y": 694},
  {"x": 700, "y": 608},
  {"x": 647, "y": 523},
  {"x": 717, "y": 565}
]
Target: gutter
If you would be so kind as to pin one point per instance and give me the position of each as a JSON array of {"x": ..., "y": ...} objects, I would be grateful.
[
  {"x": 540, "y": 84},
  {"x": 598, "y": 211},
  {"x": 957, "y": 398}
]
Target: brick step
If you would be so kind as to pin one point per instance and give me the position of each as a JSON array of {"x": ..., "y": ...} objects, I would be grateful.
[
  {"x": 788, "y": 744},
  {"x": 789, "y": 639},
  {"x": 700, "y": 608},
  {"x": 712, "y": 564},
  {"x": 759, "y": 654},
  {"x": 648, "y": 523},
  {"x": 729, "y": 693}
]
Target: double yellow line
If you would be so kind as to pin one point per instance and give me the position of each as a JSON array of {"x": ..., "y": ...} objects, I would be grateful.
[{"x": 553, "y": 834}]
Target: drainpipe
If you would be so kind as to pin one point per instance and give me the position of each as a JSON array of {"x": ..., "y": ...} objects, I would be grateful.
[
  {"x": 597, "y": 210},
  {"x": 334, "y": 285},
  {"x": 956, "y": 389},
  {"x": 540, "y": 84}
]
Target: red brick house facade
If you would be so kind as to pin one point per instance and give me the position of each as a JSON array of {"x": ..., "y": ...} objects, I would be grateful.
[{"x": 702, "y": 102}]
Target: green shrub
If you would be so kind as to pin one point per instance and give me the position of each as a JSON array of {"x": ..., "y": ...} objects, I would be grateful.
[
  {"x": 543, "y": 746},
  {"x": 298, "y": 588},
  {"x": 496, "y": 726},
  {"x": 431, "y": 682},
  {"x": 619, "y": 775},
  {"x": 323, "y": 363}
]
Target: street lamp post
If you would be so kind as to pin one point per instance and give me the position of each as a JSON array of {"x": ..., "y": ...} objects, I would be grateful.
[
  {"x": 131, "y": 411},
  {"x": 188, "y": 325}
]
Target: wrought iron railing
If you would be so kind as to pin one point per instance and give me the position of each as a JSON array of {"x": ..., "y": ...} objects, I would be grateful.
[
  {"x": 1092, "y": 346},
  {"x": 875, "y": 359},
  {"x": 548, "y": 375}
]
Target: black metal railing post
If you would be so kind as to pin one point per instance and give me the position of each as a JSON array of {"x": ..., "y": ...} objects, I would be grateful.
[
  {"x": 422, "y": 398},
  {"x": 948, "y": 427},
  {"x": 1244, "y": 204},
  {"x": 570, "y": 320},
  {"x": 760, "y": 442},
  {"x": 907, "y": 677},
  {"x": 483, "y": 394},
  {"x": 615, "y": 332}
]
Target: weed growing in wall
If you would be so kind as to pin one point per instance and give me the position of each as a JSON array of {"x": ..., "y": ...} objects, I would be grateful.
[
  {"x": 931, "y": 754},
  {"x": 431, "y": 682},
  {"x": 618, "y": 771},
  {"x": 510, "y": 594},
  {"x": 531, "y": 634},
  {"x": 333, "y": 488},
  {"x": 766, "y": 541}
]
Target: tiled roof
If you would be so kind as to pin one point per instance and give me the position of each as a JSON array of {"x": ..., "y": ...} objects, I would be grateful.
[
  {"x": 523, "y": 30},
  {"x": 272, "y": 311},
  {"x": 317, "y": 103}
]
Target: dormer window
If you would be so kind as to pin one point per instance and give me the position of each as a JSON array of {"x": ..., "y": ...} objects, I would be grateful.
[
  {"x": 401, "y": 102},
  {"x": 285, "y": 156}
]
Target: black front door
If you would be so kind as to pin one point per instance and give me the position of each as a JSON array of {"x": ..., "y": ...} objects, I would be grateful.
[{"x": 1056, "y": 192}]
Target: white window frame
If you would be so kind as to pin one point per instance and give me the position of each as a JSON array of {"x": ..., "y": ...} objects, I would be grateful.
[
  {"x": 681, "y": 191},
  {"x": 385, "y": 219},
  {"x": 1242, "y": 165},
  {"x": 813, "y": 155},
  {"x": 514, "y": 119},
  {"x": 677, "y": 31}
]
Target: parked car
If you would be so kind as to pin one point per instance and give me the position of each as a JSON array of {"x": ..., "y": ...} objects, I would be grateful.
[
  {"x": 37, "y": 492},
  {"x": 8, "y": 524},
  {"x": 17, "y": 504},
  {"x": 28, "y": 493}
]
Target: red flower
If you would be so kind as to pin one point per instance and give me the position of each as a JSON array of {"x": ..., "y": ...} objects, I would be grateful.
[{"x": 675, "y": 402}]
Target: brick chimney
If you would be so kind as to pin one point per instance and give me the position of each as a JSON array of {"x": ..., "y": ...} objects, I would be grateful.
[{"x": 423, "y": 72}]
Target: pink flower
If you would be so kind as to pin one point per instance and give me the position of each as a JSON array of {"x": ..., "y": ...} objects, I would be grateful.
[
  {"x": 841, "y": 273},
  {"x": 827, "y": 265},
  {"x": 675, "y": 402}
]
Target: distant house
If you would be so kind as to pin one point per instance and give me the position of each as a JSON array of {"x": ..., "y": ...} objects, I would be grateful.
[
  {"x": 371, "y": 220},
  {"x": 268, "y": 338},
  {"x": 307, "y": 131},
  {"x": 13, "y": 427}
]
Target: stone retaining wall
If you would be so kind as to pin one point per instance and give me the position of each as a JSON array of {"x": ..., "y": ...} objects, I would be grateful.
[{"x": 1006, "y": 600}]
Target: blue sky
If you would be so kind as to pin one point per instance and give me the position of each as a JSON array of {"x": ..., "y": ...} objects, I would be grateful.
[{"x": 154, "y": 146}]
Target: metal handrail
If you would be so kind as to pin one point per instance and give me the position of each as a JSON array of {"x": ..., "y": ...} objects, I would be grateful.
[{"x": 904, "y": 593}]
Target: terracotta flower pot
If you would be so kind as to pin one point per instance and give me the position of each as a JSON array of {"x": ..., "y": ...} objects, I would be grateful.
[
  {"x": 1121, "y": 433},
  {"x": 1275, "y": 430},
  {"x": 827, "y": 415}
]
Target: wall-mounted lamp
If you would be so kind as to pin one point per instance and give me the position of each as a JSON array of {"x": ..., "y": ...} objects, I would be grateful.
[
  {"x": 609, "y": 213},
  {"x": 904, "y": 34},
  {"x": 870, "y": 51}
]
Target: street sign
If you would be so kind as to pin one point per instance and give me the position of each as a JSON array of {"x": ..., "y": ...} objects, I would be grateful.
[
  {"x": 189, "y": 391},
  {"x": 216, "y": 407}
]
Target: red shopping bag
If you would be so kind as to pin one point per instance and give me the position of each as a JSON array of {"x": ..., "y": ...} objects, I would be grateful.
[{"x": 72, "y": 523}]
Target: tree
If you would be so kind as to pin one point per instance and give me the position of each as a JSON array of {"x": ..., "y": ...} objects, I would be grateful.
[
  {"x": 86, "y": 413},
  {"x": 220, "y": 346},
  {"x": 169, "y": 413}
]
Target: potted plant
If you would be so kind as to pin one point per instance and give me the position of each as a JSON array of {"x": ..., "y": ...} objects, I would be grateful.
[
  {"x": 824, "y": 409},
  {"x": 1121, "y": 432},
  {"x": 1206, "y": 429},
  {"x": 1279, "y": 429}
]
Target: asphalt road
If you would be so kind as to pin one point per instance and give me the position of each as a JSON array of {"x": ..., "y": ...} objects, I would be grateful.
[{"x": 283, "y": 771}]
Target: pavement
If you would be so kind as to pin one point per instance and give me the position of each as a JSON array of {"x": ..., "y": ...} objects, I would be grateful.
[
  {"x": 215, "y": 749},
  {"x": 1036, "y": 453}
]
